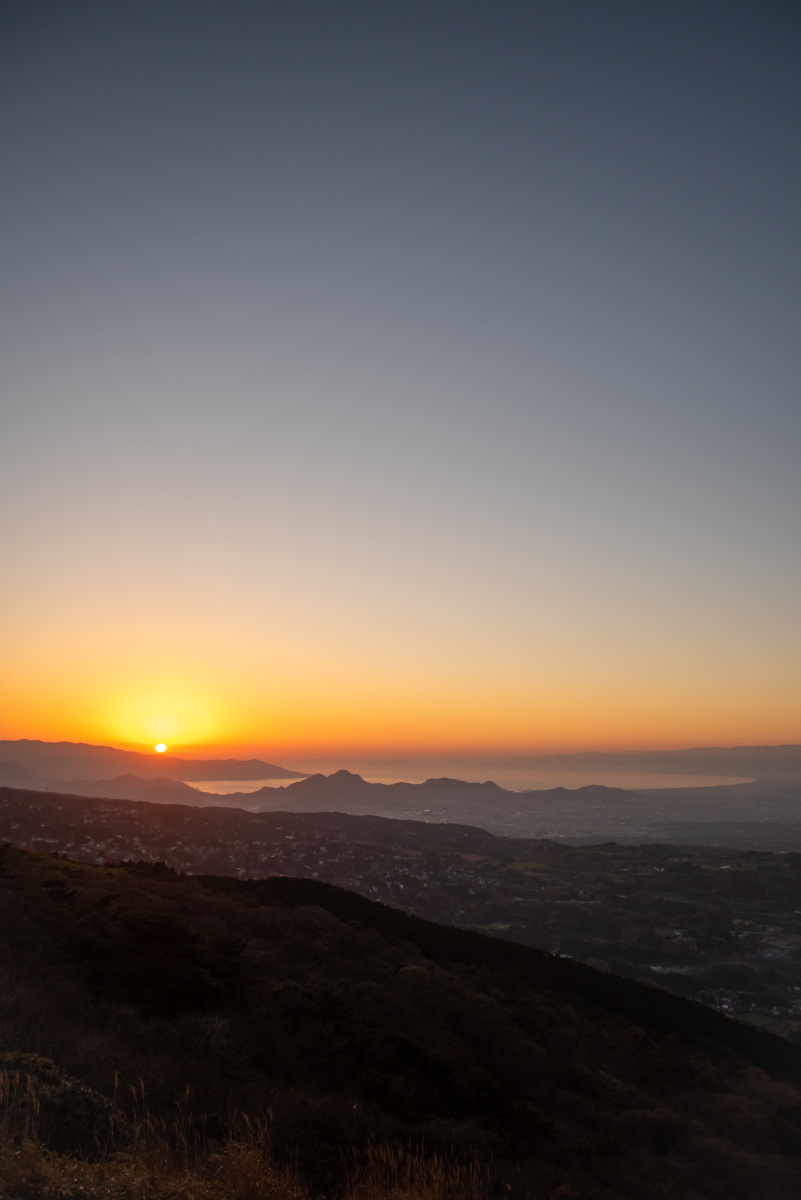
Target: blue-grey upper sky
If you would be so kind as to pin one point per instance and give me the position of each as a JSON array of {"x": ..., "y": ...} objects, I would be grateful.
[{"x": 401, "y": 373}]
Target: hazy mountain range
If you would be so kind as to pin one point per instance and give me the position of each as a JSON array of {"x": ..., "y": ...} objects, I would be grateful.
[
  {"x": 765, "y": 813},
  {"x": 76, "y": 760},
  {"x": 763, "y": 762},
  {"x": 64, "y": 761}
]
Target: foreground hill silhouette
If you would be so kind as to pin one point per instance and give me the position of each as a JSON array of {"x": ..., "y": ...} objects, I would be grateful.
[
  {"x": 713, "y": 925},
  {"x": 357, "y": 1024}
]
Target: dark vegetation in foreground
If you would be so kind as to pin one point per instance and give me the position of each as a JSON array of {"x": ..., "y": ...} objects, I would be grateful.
[
  {"x": 343, "y": 1028},
  {"x": 142, "y": 1158}
]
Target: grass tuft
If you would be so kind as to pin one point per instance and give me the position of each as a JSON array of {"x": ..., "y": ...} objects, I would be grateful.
[{"x": 150, "y": 1159}]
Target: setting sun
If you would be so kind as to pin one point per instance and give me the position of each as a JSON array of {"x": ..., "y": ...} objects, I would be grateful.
[{"x": 161, "y": 748}]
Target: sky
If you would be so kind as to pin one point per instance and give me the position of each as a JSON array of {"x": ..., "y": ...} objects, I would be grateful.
[{"x": 400, "y": 377}]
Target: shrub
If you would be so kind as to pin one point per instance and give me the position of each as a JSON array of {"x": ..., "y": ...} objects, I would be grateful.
[{"x": 39, "y": 1099}]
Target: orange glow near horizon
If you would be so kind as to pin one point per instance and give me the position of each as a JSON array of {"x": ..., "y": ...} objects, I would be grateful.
[
  {"x": 296, "y": 717},
  {"x": 372, "y": 683}
]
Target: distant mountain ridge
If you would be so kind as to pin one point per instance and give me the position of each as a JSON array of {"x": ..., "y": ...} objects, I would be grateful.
[
  {"x": 121, "y": 787},
  {"x": 64, "y": 761},
  {"x": 434, "y": 800},
  {"x": 577, "y": 814},
  {"x": 761, "y": 761},
  {"x": 314, "y": 793},
  {"x": 485, "y": 804},
  {"x": 303, "y": 795}
]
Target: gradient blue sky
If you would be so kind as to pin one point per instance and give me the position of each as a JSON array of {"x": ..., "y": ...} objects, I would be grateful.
[{"x": 400, "y": 375}]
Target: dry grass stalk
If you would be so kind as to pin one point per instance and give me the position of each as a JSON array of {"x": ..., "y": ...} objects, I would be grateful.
[
  {"x": 408, "y": 1174},
  {"x": 156, "y": 1160},
  {"x": 153, "y": 1160}
]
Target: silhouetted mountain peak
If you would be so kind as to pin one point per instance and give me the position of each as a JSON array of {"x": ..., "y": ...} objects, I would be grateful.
[
  {"x": 599, "y": 791},
  {"x": 328, "y": 785},
  {"x": 590, "y": 791},
  {"x": 448, "y": 784}
]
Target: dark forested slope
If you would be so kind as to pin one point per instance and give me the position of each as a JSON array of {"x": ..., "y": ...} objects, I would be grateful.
[
  {"x": 719, "y": 926},
  {"x": 354, "y": 1023}
]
